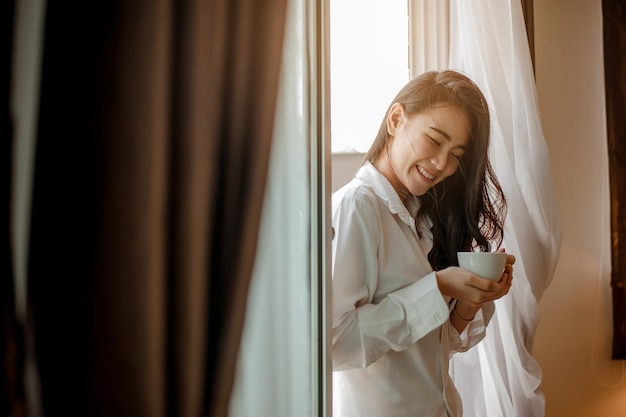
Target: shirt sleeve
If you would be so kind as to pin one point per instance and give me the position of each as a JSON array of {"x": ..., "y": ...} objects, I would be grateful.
[
  {"x": 364, "y": 331},
  {"x": 474, "y": 332}
]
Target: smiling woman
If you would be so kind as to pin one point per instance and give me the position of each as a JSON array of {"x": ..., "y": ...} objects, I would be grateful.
[
  {"x": 487, "y": 41},
  {"x": 441, "y": 137},
  {"x": 401, "y": 305}
]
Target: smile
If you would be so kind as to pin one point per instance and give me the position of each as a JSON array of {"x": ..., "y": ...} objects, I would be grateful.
[{"x": 425, "y": 173}]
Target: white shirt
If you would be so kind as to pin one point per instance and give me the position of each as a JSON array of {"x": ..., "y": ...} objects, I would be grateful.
[{"x": 392, "y": 337}]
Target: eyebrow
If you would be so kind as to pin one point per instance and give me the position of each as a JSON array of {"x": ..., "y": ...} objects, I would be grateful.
[{"x": 445, "y": 135}]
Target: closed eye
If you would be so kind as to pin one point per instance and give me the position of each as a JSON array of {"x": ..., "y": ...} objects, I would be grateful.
[{"x": 433, "y": 140}]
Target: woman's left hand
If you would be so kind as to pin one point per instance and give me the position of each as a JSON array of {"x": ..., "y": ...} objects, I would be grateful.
[{"x": 506, "y": 280}]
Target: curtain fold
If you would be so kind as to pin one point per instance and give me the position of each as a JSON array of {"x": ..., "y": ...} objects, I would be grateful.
[
  {"x": 154, "y": 133},
  {"x": 488, "y": 42},
  {"x": 12, "y": 401},
  {"x": 278, "y": 333},
  {"x": 244, "y": 111},
  {"x": 614, "y": 40}
]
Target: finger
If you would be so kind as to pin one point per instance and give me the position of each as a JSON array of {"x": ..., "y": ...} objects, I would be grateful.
[
  {"x": 505, "y": 276},
  {"x": 508, "y": 269},
  {"x": 509, "y": 283},
  {"x": 483, "y": 284},
  {"x": 510, "y": 259},
  {"x": 504, "y": 284}
]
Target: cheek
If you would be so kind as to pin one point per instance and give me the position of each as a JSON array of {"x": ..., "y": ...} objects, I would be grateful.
[
  {"x": 402, "y": 154},
  {"x": 450, "y": 171}
]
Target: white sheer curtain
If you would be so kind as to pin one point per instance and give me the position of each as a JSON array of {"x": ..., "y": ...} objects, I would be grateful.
[
  {"x": 488, "y": 42},
  {"x": 275, "y": 367}
]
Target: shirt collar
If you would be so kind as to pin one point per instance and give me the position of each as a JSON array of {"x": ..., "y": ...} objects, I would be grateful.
[{"x": 383, "y": 189}]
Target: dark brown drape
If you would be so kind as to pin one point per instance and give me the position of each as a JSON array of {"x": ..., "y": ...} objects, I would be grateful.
[
  {"x": 155, "y": 123},
  {"x": 11, "y": 345},
  {"x": 529, "y": 21},
  {"x": 614, "y": 28}
]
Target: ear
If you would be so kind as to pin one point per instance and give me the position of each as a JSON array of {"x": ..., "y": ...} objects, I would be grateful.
[{"x": 394, "y": 118}]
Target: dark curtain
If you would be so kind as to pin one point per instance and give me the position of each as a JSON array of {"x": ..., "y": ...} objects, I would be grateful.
[
  {"x": 11, "y": 347},
  {"x": 155, "y": 125},
  {"x": 614, "y": 28},
  {"x": 529, "y": 21}
]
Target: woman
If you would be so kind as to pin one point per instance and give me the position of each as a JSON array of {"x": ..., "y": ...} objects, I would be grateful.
[{"x": 401, "y": 306}]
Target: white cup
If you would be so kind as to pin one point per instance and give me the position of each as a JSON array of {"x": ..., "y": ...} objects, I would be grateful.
[{"x": 489, "y": 265}]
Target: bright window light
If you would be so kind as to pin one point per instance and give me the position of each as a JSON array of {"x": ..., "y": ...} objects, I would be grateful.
[{"x": 368, "y": 65}]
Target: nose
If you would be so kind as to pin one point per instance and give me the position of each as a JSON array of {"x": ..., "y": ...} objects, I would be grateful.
[{"x": 440, "y": 160}]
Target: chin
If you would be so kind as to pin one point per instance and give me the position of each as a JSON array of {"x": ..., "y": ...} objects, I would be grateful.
[{"x": 420, "y": 192}]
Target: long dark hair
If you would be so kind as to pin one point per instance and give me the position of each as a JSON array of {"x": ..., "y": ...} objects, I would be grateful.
[{"x": 467, "y": 209}]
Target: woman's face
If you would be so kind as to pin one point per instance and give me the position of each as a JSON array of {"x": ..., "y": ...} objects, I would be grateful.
[{"x": 427, "y": 147}]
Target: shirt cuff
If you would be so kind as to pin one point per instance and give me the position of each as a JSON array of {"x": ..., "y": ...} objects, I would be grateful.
[
  {"x": 474, "y": 332},
  {"x": 425, "y": 307}
]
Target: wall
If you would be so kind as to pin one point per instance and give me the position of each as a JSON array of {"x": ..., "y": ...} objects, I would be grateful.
[
  {"x": 573, "y": 341},
  {"x": 344, "y": 166}
]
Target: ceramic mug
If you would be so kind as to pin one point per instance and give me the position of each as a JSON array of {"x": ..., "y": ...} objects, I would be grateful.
[{"x": 489, "y": 265}]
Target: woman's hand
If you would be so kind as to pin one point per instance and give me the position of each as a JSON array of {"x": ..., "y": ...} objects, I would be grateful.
[
  {"x": 471, "y": 291},
  {"x": 463, "y": 285}
]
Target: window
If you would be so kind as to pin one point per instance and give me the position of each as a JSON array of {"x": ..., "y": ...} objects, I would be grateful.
[{"x": 369, "y": 63}]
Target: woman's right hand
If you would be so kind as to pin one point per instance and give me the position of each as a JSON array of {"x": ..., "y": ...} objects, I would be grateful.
[{"x": 463, "y": 285}]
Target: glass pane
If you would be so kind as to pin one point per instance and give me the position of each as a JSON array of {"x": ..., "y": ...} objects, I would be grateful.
[{"x": 368, "y": 66}]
